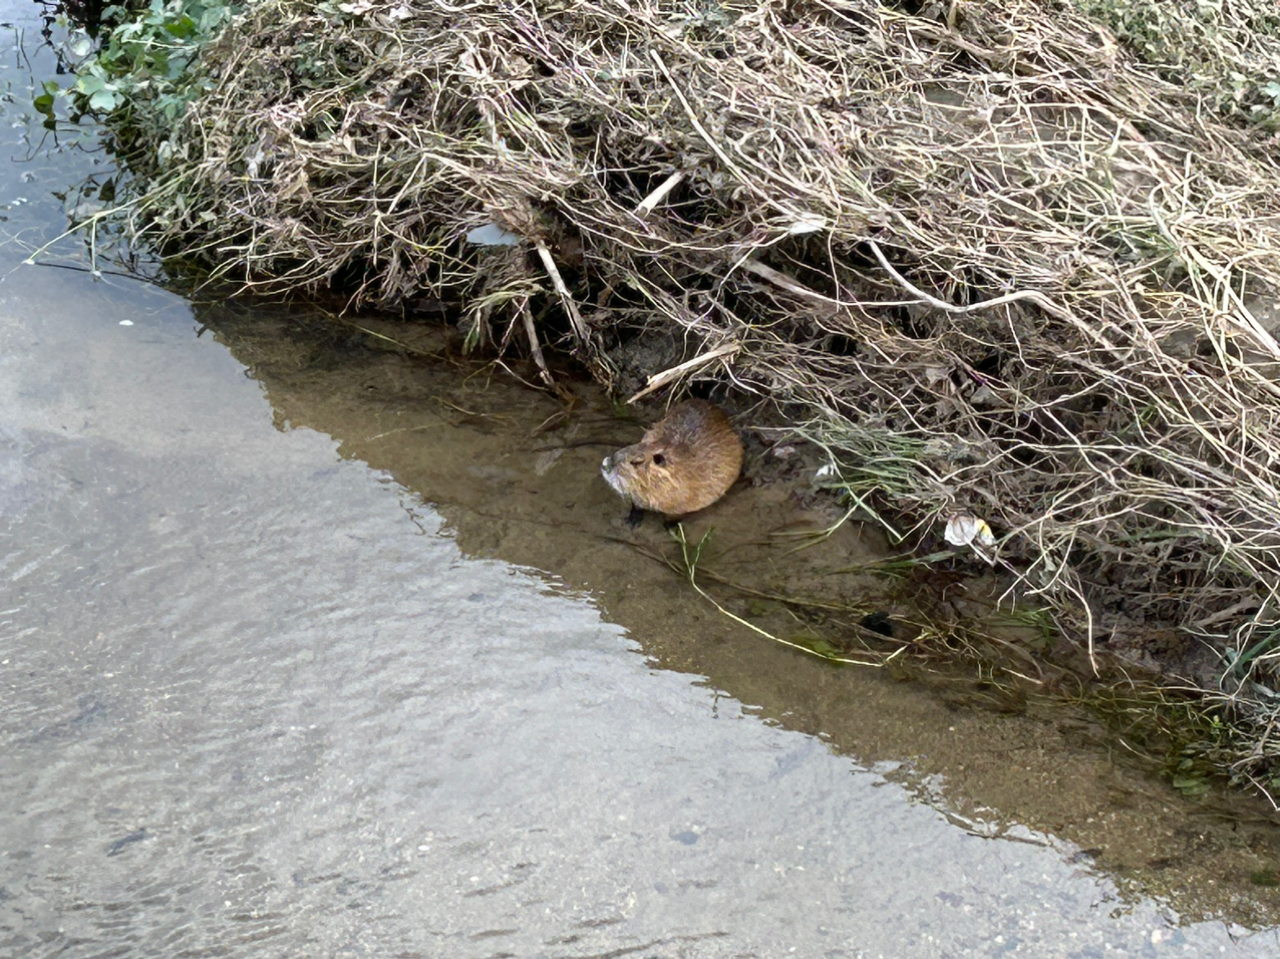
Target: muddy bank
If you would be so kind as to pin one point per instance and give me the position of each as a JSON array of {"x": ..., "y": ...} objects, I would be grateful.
[{"x": 516, "y": 477}]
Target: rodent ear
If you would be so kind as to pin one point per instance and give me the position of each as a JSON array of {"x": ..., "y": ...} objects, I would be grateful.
[{"x": 658, "y": 459}]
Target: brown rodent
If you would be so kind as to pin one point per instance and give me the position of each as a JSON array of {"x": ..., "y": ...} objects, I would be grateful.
[{"x": 685, "y": 461}]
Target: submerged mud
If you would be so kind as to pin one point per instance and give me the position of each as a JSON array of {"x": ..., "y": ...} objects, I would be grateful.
[{"x": 514, "y": 472}]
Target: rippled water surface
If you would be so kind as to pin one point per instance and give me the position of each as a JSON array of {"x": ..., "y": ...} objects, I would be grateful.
[{"x": 256, "y": 702}]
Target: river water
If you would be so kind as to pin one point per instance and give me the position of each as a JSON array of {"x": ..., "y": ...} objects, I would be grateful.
[{"x": 259, "y": 697}]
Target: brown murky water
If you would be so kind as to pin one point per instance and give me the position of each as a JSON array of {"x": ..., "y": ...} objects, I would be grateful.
[
  {"x": 511, "y": 486},
  {"x": 258, "y": 698}
]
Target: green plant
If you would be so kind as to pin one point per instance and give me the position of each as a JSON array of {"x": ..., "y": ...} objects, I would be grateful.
[
  {"x": 1228, "y": 54},
  {"x": 146, "y": 62}
]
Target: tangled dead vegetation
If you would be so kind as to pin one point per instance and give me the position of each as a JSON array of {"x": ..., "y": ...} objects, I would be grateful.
[
  {"x": 1227, "y": 54},
  {"x": 999, "y": 267}
]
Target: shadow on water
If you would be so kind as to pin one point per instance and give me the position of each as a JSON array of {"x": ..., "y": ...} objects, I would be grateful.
[{"x": 516, "y": 477}]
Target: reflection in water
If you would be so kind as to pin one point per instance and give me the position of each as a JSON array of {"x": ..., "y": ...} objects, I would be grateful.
[{"x": 254, "y": 703}]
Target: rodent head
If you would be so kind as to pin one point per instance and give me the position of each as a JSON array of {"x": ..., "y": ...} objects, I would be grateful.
[{"x": 640, "y": 473}]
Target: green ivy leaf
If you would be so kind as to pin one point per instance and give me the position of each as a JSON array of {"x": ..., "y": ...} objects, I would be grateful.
[
  {"x": 182, "y": 28},
  {"x": 45, "y": 101},
  {"x": 104, "y": 100}
]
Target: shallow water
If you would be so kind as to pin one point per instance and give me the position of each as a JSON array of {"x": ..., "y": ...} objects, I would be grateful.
[{"x": 258, "y": 699}]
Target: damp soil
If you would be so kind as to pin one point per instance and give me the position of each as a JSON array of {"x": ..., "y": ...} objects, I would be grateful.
[{"x": 514, "y": 473}]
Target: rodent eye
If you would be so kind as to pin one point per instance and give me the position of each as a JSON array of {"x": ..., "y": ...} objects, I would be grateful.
[{"x": 658, "y": 459}]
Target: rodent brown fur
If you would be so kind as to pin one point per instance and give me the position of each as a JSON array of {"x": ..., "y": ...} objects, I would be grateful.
[{"x": 685, "y": 461}]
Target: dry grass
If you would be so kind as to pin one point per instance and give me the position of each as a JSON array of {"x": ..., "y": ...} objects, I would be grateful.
[
  {"x": 1004, "y": 269},
  {"x": 1225, "y": 53}
]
